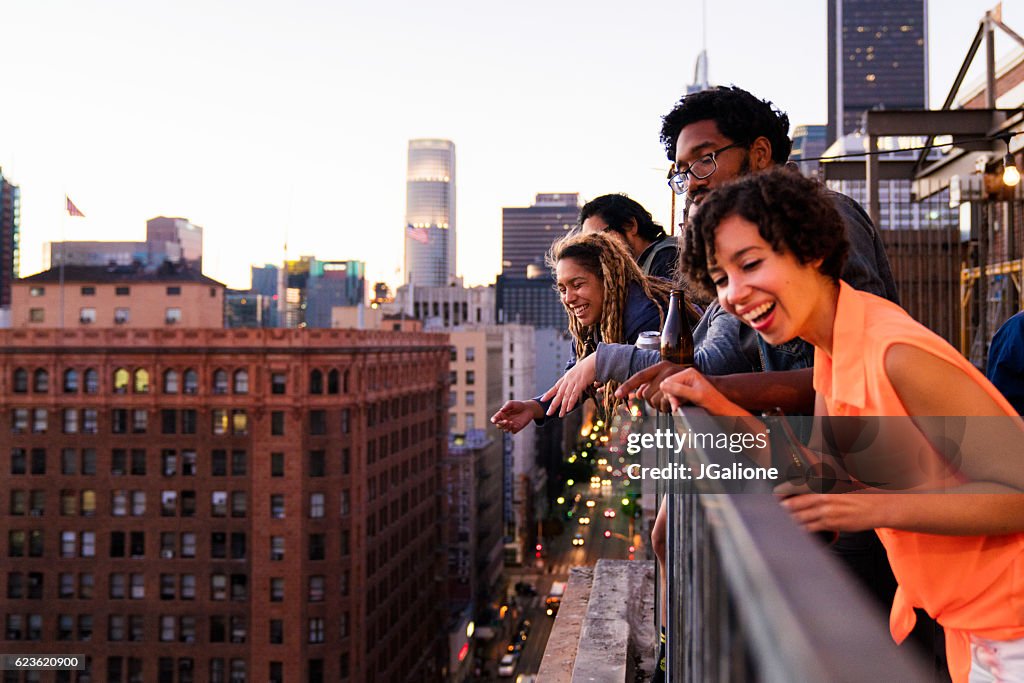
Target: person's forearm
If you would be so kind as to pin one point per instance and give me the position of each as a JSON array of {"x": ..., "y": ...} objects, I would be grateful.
[
  {"x": 790, "y": 390},
  {"x": 969, "y": 510}
]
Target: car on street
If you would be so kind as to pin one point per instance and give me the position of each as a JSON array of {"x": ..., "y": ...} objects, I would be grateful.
[
  {"x": 507, "y": 666},
  {"x": 577, "y": 540}
]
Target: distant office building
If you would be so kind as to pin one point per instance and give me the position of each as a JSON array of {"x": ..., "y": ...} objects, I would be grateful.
[
  {"x": 121, "y": 296},
  {"x": 700, "y": 74},
  {"x": 809, "y": 142},
  {"x": 333, "y": 283},
  {"x": 10, "y": 237},
  {"x": 265, "y": 279},
  {"x": 168, "y": 240},
  {"x": 528, "y": 232},
  {"x": 210, "y": 505},
  {"x": 529, "y": 301},
  {"x": 877, "y": 59},
  {"x": 248, "y": 309},
  {"x": 430, "y": 213},
  {"x": 444, "y": 307},
  {"x": 176, "y": 240}
]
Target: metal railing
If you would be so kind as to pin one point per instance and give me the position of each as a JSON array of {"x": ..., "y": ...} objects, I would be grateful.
[{"x": 751, "y": 597}]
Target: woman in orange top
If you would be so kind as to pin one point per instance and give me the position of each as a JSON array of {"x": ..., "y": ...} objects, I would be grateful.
[{"x": 770, "y": 247}]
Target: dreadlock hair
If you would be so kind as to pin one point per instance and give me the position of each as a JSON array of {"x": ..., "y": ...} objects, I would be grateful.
[{"x": 608, "y": 259}]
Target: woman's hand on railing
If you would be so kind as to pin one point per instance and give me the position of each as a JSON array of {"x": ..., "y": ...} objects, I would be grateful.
[
  {"x": 690, "y": 386},
  {"x": 515, "y": 415},
  {"x": 858, "y": 511},
  {"x": 566, "y": 392}
]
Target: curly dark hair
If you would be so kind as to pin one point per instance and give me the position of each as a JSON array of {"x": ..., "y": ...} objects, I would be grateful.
[
  {"x": 740, "y": 116},
  {"x": 616, "y": 209},
  {"x": 791, "y": 213}
]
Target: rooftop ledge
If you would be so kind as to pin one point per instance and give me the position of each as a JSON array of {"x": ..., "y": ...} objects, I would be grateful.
[{"x": 604, "y": 631}]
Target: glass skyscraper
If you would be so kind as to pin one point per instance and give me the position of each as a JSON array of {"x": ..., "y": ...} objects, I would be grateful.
[
  {"x": 430, "y": 213},
  {"x": 877, "y": 59}
]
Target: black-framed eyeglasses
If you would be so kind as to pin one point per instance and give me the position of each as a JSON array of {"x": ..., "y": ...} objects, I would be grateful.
[{"x": 700, "y": 169}]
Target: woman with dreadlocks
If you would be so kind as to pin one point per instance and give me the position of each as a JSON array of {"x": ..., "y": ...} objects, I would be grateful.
[{"x": 607, "y": 298}]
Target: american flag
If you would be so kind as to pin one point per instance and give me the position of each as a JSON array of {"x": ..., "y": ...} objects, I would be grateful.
[
  {"x": 418, "y": 234},
  {"x": 72, "y": 209}
]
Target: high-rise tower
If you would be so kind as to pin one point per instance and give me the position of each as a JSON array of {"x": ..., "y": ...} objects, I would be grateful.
[
  {"x": 430, "y": 213},
  {"x": 877, "y": 58},
  {"x": 10, "y": 222}
]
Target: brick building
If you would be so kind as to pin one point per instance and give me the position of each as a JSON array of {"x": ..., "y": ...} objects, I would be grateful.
[
  {"x": 268, "y": 495},
  {"x": 121, "y": 296}
]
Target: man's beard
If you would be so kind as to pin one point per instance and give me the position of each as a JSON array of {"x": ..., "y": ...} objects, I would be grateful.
[{"x": 698, "y": 197}]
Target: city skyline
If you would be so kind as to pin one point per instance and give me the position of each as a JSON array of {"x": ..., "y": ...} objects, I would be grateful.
[{"x": 292, "y": 127}]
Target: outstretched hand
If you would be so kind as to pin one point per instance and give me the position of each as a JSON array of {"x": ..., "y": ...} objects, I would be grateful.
[
  {"x": 515, "y": 415},
  {"x": 646, "y": 384},
  {"x": 566, "y": 392}
]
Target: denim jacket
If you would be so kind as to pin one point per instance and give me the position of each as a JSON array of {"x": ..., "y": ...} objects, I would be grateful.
[{"x": 724, "y": 346}]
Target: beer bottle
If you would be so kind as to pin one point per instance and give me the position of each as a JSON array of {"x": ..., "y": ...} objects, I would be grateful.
[{"x": 676, "y": 337}]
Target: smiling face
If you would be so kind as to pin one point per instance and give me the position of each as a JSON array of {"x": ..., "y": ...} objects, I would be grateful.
[
  {"x": 771, "y": 292},
  {"x": 581, "y": 291}
]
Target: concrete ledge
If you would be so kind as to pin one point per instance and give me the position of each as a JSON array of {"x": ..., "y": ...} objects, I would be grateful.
[
  {"x": 604, "y": 632},
  {"x": 563, "y": 643}
]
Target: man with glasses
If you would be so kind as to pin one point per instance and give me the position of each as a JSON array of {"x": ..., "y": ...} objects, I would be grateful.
[
  {"x": 655, "y": 252},
  {"x": 713, "y": 137}
]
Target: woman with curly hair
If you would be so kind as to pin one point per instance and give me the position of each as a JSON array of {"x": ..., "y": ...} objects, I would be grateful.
[
  {"x": 607, "y": 299},
  {"x": 770, "y": 247}
]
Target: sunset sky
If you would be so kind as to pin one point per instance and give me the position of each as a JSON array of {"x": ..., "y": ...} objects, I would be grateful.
[{"x": 267, "y": 121}]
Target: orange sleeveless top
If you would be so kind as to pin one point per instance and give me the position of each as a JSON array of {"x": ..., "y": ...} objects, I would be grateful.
[{"x": 969, "y": 584}]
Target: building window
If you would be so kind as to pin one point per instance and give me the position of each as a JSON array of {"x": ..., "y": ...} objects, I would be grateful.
[
  {"x": 168, "y": 503},
  {"x": 188, "y": 462},
  {"x": 37, "y": 291},
  {"x": 140, "y": 419},
  {"x": 220, "y": 422},
  {"x": 174, "y": 291},
  {"x": 318, "y": 422},
  {"x": 278, "y": 383},
  {"x": 277, "y": 464},
  {"x": 219, "y": 463},
  {"x": 39, "y": 419},
  {"x": 316, "y": 505},
  {"x": 138, "y": 503},
  {"x": 316, "y": 588},
  {"x": 122, "y": 379},
  {"x": 189, "y": 421},
  {"x": 277, "y": 505},
  {"x": 220, "y": 382},
  {"x": 20, "y": 381},
  {"x": 276, "y": 589},
  {"x": 239, "y": 463},
  {"x": 90, "y": 421},
  {"x": 171, "y": 382},
  {"x": 172, "y": 316},
  {"x": 36, "y": 315},
  {"x": 241, "y": 381},
  {"x": 70, "y": 381},
  {"x": 40, "y": 381},
  {"x": 188, "y": 544},
  {"x": 277, "y": 423},
  {"x": 168, "y": 421},
  {"x": 332, "y": 382},
  {"x": 276, "y": 631},
  {"x": 470, "y": 398},
  {"x": 87, "y": 316},
  {"x": 92, "y": 381},
  {"x": 122, "y": 291},
  {"x": 316, "y": 630},
  {"x": 88, "y": 291},
  {"x": 470, "y": 353},
  {"x": 277, "y": 548},
  {"x": 470, "y": 377},
  {"x": 239, "y": 504},
  {"x": 219, "y": 503},
  {"x": 141, "y": 381},
  {"x": 191, "y": 384},
  {"x": 121, "y": 315},
  {"x": 239, "y": 422},
  {"x": 317, "y": 463},
  {"x": 316, "y": 382}
]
